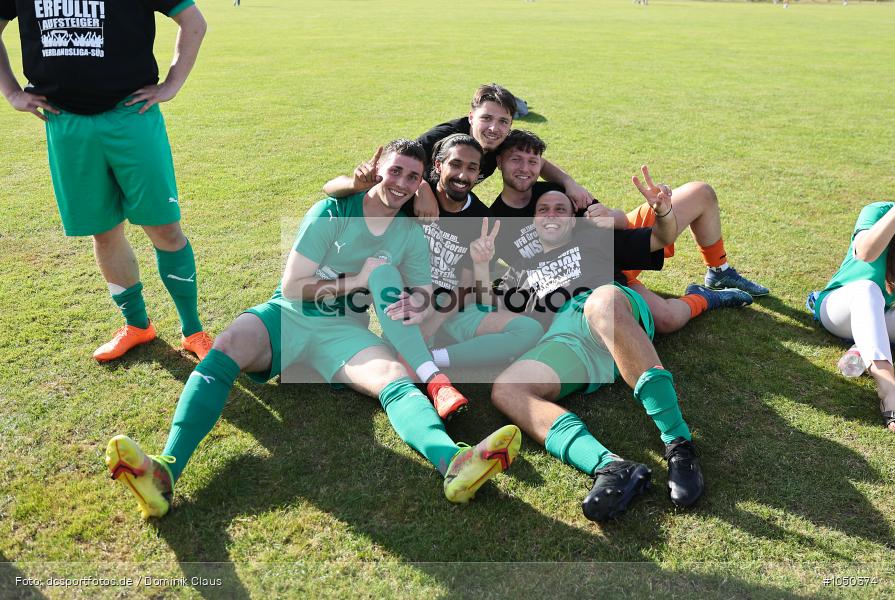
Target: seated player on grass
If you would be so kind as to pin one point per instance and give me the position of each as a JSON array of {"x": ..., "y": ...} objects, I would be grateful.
[
  {"x": 489, "y": 121},
  {"x": 474, "y": 335},
  {"x": 480, "y": 336},
  {"x": 599, "y": 332},
  {"x": 338, "y": 252},
  {"x": 695, "y": 206}
]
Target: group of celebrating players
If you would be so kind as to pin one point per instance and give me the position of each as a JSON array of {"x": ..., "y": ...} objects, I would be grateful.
[
  {"x": 567, "y": 316},
  {"x": 405, "y": 234}
]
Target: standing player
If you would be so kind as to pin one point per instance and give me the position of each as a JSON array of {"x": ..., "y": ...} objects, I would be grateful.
[
  {"x": 695, "y": 204},
  {"x": 596, "y": 332},
  {"x": 342, "y": 248},
  {"x": 96, "y": 80}
]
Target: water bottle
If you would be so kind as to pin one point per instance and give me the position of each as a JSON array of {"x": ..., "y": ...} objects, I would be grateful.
[{"x": 851, "y": 364}]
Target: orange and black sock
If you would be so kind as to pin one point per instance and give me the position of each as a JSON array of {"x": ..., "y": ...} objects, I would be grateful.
[
  {"x": 698, "y": 304},
  {"x": 714, "y": 255}
]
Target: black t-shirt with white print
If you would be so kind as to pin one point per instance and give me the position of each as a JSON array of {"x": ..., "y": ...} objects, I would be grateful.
[
  {"x": 449, "y": 239},
  {"x": 86, "y": 56},
  {"x": 518, "y": 240},
  {"x": 593, "y": 257},
  {"x": 461, "y": 125}
]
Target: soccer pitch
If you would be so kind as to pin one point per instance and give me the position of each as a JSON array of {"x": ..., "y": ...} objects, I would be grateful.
[{"x": 300, "y": 491}]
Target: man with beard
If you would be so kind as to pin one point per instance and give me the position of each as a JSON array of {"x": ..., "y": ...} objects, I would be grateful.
[
  {"x": 597, "y": 329},
  {"x": 474, "y": 334}
]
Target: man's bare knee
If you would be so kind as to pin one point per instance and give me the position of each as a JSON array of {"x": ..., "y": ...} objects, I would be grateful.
[
  {"x": 706, "y": 192},
  {"x": 246, "y": 343},
  {"x": 168, "y": 237},
  {"x": 110, "y": 238},
  {"x": 604, "y": 305}
]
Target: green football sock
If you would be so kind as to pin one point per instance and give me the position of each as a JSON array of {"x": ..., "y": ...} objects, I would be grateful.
[
  {"x": 200, "y": 406},
  {"x": 178, "y": 272},
  {"x": 655, "y": 390},
  {"x": 414, "y": 419},
  {"x": 130, "y": 303},
  {"x": 385, "y": 285},
  {"x": 569, "y": 440},
  {"x": 518, "y": 336}
]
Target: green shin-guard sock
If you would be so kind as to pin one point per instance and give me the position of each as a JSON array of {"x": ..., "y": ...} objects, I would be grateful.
[
  {"x": 130, "y": 303},
  {"x": 518, "y": 336},
  {"x": 571, "y": 442},
  {"x": 655, "y": 390},
  {"x": 414, "y": 419},
  {"x": 385, "y": 285},
  {"x": 178, "y": 272},
  {"x": 200, "y": 406}
]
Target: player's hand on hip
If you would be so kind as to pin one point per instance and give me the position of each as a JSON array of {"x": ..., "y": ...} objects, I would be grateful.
[
  {"x": 27, "y": 102},
  {"x": 152, "y": 95},
  {"x": 658, "y": 196}
]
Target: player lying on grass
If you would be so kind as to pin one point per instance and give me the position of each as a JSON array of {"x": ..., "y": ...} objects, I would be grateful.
[
  {"x": 474, "y": 335},
  {"x": 857, "y": 303},
  {"x": 695, "y": 206},
  {"x": 110, "y": 159},
  {"x": 601, "y": 330},
  {"x": 341, "y": 248},
  {"x": 489, "y": 121}
]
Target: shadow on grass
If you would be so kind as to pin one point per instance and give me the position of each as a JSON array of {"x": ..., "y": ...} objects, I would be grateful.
[
  {"x": 397, "y": 504},
  {"x": 531, "y": 117},
  {"x": 739, "y": 377},
  {"x": 9, "y": 588}
]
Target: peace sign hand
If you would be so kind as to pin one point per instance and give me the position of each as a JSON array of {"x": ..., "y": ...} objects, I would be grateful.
[
  {"x": 657, "y": 196},
  {"x": 482, "y": 250},
  {"x": 366, "y": 174}
]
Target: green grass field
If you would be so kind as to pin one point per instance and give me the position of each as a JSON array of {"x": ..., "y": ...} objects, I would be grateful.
[{"x": 304, "y": 492}]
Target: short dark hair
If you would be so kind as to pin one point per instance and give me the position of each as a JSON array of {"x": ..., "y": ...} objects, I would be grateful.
[
  {"x": 522, "y": 139},
  {"x": 443, "y": 147},
  {"x": 492, "y": 92},
  {"x": 405, "y": 147}
]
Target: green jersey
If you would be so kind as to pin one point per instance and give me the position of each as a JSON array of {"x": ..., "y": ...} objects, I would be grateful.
[
  {"x": 855, "y": 269},
  {"x": 335, "y": 235}
]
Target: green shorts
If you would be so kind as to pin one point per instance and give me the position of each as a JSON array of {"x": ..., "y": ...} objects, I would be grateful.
[
  {"x": 463, "y": 325},
  {"x": 569, "y": 347},
  {"x": 324, "y": 343},
  {"x": 112, "y": 166}
]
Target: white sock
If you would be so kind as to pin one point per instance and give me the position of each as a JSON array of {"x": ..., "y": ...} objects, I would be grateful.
[
  {"x": 723, "y": 267},
  {"x": 426, "y": 370},
  {"x": 441, "y": 358},
  {"x": 115, "y": 289}
]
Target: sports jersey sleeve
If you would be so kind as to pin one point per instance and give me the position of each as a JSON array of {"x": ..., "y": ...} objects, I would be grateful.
[
  {"x": 869, "y": 215},
  {"x": 318, "y": 229},
  {"x": 8, "y": 10},
  {"x": 632, "y": 250},
  {"x": 439, "y": 132},
  {"x": 415, "y": 264},
  {"x": 170, "y": 8}
]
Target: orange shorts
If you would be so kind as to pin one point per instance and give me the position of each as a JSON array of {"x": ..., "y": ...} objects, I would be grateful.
[{"x": 643, "y": 216}]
